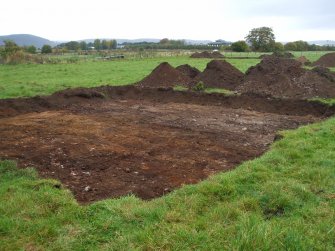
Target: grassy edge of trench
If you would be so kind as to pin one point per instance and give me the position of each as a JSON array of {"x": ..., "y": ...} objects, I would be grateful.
[{"x": 284, "y": 200}]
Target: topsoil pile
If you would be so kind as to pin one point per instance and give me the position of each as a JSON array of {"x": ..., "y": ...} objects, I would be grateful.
[
  {"x": 327, "y": 60},
  {"x": 206, "y": 54},
  {"x": 221, "y": 74},
  {"x": 165, "y": 75},
  {"x": 188, "y": 70},
  {"x": 285, "y": 78}
]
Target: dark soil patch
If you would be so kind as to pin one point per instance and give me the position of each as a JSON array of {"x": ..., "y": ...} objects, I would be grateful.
[
  {"x": 220, "y": 74},
  {"x": 327, "y": 60},
  {"x": 207, "y": 54},
  {"x": 164, "y": 75},
  {"x": 188, "y": 70},
  {"x": 285, "y": 78},
  {"x": 142, "y": 141}
]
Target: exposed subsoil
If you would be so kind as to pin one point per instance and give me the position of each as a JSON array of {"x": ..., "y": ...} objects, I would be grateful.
[
  {"x": 285, "y": 78},
  {"x": 221, "y": 74},
  {"x": 327, "y": 60},
  {"x": 207, "y": 54},
  {"x": 111, "y": 141}
]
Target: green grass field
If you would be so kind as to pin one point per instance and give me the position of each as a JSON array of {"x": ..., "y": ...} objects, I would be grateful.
[
  {"x": 284, "y": 200},
  {"x": 33, "y": 79}
]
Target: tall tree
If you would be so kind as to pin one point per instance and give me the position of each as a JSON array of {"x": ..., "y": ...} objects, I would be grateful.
[
  {"x": 261, "y": 39},
  {"x": 83, "y": 45},
  {"x": 97, "y": 44},
  {"x": 104, "y": 44}
]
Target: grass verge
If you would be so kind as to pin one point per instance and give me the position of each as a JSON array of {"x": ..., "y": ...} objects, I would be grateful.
[{"x": 284, "y": 200}]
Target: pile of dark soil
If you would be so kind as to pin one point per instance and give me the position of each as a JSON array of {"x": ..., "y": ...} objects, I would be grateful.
[
  {"x": 327, "y": 60},
  {"x": 285, "y": 78},
  {"x": 164, "y": 75},
  {"x": 220, "y": 74},
  {"x": 188, "y": 70},
  {"x": 206, "y": 54}
]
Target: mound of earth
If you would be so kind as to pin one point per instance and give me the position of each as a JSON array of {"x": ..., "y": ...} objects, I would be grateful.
[
  {"x": 327, "y": 60},
  {"x": 220, "y": 74},
  {"x": 188, "y": 70},
  {"x": 285, "y": 78},
  {"x": 303, "y": 60},
  {"x": 206, "y": 54},
  {"x": 164, "y": 75}
]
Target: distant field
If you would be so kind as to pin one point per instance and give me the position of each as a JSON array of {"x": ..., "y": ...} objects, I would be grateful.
[{"x": 41, "y": 79}]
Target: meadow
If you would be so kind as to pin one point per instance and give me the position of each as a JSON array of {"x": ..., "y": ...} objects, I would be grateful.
[{"x": 283, "y": 200}]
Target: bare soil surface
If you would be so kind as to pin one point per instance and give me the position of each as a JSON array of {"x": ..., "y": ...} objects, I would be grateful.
[
  {"x": 108, "y": 142},
  {"x": 285, "y": 78}
]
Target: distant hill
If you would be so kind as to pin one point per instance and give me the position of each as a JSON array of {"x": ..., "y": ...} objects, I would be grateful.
[{"x": 26, "y": 40}]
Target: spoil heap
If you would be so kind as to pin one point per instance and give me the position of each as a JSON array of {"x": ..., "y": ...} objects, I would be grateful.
[
  {"x": 220, "y": 74},
  {"x": 285, "y": 78},
  {"x": 188, "y": 70},
  {"x": 327, "y": 60},
  {"x": 164, "y": 75}
]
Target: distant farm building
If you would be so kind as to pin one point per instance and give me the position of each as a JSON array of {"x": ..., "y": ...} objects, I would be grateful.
[{"x": 219, "y": 43}]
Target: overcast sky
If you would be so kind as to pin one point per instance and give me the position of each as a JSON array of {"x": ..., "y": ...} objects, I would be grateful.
[{"x": 175, "y": 19}]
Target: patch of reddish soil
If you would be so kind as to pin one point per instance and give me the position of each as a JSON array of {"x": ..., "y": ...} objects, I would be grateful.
[
  {"x": 164, "y": 75},
  {"x": 221, "y": 74},
  {"x": 188, "y": 70},
  {"x": 108, "y": 142},
  {"x": 285, "y": 78},
  {"x": 207, "y": 54},
  {"x": 327, "y": 60},
  {"x": 303, "y": 60}
]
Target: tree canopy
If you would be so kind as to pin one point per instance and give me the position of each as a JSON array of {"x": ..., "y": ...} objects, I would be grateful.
[{"x": 261, "y": 39}]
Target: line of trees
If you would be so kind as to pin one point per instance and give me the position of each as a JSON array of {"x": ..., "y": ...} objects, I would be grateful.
[
  {"x": 167, "y": 44},
  {"x": 262, "y": 39},
  {"x": 97, "y": 44}
]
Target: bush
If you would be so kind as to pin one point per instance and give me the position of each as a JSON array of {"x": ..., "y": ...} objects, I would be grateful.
[
  {"x": 200, "y": 86},
  {"x": 240, "y": 46},
  {"x": 46, "y": 49}
]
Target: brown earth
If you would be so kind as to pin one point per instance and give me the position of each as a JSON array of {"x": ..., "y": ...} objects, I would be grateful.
[
  {"x": 108, "y": 142},
  {"x": 220, "y": 74},
  {"x": 207, "y": 54},
  {"x": 327, "y": 60},
  {"x": 165, "y": 75},
  {"x": 188, "y": 70},
  {"x": 303, "y": 60},
  {"x": 285, "y": 78}
]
